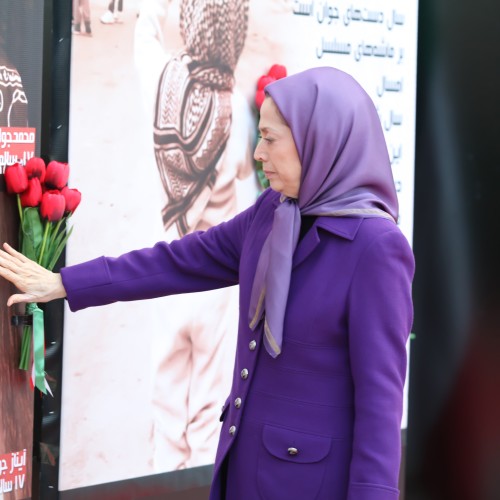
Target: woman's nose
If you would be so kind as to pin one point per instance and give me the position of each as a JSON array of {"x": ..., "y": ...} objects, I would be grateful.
[{"x": 258, "y": 154}]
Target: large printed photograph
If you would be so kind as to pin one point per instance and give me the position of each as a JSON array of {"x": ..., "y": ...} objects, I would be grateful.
[
  {"x": 21, "y": 56},
  {"x": 163, "y": 123}
]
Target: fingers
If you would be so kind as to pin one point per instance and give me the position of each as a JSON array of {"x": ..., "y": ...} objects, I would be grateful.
[
  {"x": 13, "y": 278},
  {"x": 17, "y": 269},
  {"x": 20, "y": 298},
  {"x": 6, "y": 273},
  {"x": 9, "y": 268},
  {"x": 16, "y": 262},
  {"x": 7, "y": 260},
  {"x": 9, "y": 251},
  {"x": 5, "y": 270},
  {"x": 35, "y": 283}
]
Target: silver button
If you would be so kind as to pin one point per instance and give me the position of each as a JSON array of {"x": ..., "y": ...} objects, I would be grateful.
[
  {"x": 252, "y": 345},
  {"x": 232, "y": 430},
  {"x": 293, "y": 451},
  {"x": 244, "y": 373},
  {"x": 237, "y": 402}
]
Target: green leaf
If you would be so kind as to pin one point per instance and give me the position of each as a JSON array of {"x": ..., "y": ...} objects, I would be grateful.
[
  {"x": 56, "y": 231},
  {"x": 32, "y": 228},
  {"x": 46, "y": 235},
  {"x": 59, "y": 250},
  {"x": 53, "y": 244}
]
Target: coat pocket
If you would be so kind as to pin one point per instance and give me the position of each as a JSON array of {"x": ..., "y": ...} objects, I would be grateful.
[{"x": 291, "y": 464}]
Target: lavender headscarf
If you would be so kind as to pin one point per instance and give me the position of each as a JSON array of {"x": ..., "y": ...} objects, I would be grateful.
[{"x": 346, "y": 171}]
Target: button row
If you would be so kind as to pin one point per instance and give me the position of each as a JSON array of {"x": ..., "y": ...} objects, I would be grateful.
[{"x": 244, "y": 375}]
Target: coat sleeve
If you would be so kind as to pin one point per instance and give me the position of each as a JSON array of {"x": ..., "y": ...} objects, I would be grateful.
[
  {"x": 380, "y": 319},
  {"x": 199, "y": 261}
]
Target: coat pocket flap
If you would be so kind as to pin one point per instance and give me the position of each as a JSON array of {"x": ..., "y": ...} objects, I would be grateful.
[{"x": 294, "y": 446}]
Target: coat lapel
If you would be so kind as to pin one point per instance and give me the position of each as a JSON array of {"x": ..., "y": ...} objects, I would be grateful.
[{"x": 345, "y": 227}]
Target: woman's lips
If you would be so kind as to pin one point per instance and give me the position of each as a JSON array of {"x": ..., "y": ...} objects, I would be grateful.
[{"x": 268, "y": 173}]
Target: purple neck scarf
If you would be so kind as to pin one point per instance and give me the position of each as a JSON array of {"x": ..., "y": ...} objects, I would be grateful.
[{"x": 346, "y": 171}]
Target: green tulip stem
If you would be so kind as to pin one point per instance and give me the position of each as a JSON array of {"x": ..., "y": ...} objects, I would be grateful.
[
  {"x": 56, "y": 230},
  {"x": 44, "y": 241},
  {"x": 20, "y": 208},
  {"x": 25, "y": 349}
]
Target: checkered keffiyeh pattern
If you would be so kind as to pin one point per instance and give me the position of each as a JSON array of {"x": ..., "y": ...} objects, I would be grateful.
[{"x": 193, "y": 106}]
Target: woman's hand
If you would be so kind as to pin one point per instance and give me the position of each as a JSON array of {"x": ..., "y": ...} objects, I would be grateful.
[{"x": 36, "y": 283}]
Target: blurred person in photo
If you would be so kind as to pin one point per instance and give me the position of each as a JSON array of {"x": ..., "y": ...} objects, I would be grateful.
[
  {"x": 114, "y": 13},
  {"x": 202, "y": 129},
  {"x": 81, "y": 15}
]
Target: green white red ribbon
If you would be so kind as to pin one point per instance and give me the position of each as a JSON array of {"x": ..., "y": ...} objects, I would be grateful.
[{"x": 38, "y": 342}]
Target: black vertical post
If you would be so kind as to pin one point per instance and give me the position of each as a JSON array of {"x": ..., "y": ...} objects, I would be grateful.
[{"x": 54, "y": 146}]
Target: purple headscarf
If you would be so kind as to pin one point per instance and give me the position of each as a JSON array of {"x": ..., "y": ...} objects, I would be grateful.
[{"x": 346, "y": 171}]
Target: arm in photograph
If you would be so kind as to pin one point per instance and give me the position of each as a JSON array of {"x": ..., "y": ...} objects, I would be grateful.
[
  {"x": 380, "y": 319},
  {"x": 150, "y": 55}
]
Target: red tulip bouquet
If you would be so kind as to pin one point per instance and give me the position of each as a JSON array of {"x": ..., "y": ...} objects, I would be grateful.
[
  {"x": 275, "y": 73},
  {"x": 45, "y": 204}
]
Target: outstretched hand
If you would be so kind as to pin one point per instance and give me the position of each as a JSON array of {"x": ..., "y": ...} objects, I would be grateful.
[{"x": 36, "y": 283}]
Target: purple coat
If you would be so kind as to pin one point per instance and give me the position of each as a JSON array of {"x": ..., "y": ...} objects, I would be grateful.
[{"x": 322, "y": 420}]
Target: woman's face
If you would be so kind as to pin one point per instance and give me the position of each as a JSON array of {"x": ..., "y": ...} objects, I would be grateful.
[{"x": 277, "y": 152}]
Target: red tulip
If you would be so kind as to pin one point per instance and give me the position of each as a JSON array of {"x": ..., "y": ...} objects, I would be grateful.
[
  {"x": 16, "y": 178},
  {"x": 53, "y": 205},
  {"x": 35, "y": 167},
  {"x": 264, "y": 80},
  {"x": 277, "y": 71},
  {"x": 72, "y": 197},
  {"x": 33, "y": 195},
  {"x": 57, "y": 174}
]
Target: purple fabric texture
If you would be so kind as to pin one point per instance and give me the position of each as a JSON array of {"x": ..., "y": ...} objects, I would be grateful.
[{"x": 346, "y": 171}]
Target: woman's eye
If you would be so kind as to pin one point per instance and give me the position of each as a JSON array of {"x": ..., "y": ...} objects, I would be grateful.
[{"x": 266, "y": 139}]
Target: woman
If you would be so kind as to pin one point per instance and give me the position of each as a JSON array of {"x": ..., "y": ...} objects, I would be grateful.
[{"x": 325, "y": 301}]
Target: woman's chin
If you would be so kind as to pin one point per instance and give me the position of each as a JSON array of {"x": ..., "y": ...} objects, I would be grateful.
[{"x": 274, "y": 184}]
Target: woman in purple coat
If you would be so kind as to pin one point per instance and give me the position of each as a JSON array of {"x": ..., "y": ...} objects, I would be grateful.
[{"x": 325, "y": 301}]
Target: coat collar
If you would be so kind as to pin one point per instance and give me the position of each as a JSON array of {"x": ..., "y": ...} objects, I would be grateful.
[{"x": 345, "y": 227}]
